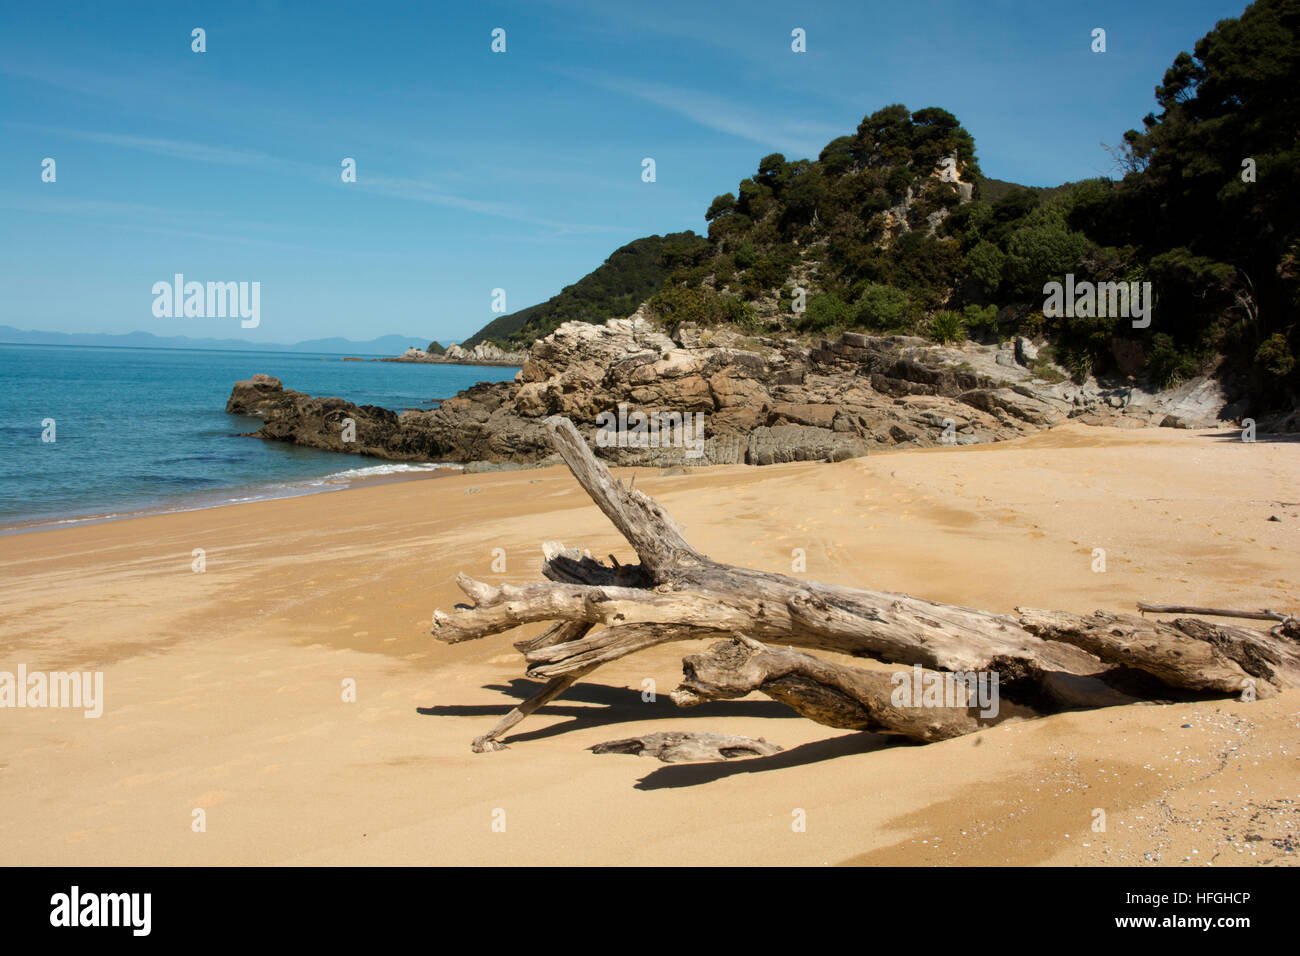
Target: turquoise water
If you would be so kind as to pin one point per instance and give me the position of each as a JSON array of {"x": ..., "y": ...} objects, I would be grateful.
[{"x": 140, "y": 430}]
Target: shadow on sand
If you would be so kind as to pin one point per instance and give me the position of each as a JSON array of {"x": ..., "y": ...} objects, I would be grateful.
[
  {"x": 1261, "y": 438},
  {"x": 624, "y": 705}
]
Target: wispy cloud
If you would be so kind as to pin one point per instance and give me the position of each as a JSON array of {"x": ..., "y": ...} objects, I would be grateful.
[
  {"x": 795, "y": 136},
  {"x": 392, "y": 187},
  {"x": 78, "y": 207},
  {"x": 197, "y": 152},
  {"x": 168, "y": 222},
  {"x": 417, "y": 190}
]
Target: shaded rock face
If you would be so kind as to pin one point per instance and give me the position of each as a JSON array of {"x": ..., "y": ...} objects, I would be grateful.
[
  {"x": 255, "y": 395},
  {"x": 731, "y": 399}
]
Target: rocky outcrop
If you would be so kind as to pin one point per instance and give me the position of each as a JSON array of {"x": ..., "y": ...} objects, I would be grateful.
[
  {"x": 485, "y": 353},
  {"x": 255, "y": 396},
  {"x": 641, "y": 396}
]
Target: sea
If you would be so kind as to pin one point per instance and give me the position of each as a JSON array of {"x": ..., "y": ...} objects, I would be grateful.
[{"x": 141, "y": 431}]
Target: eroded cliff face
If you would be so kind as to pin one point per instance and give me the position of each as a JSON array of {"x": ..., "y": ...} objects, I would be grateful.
[{"x": 754, "y": 400}]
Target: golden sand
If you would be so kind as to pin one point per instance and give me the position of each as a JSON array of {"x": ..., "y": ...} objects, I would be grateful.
[{"x": 224, "y": 689}]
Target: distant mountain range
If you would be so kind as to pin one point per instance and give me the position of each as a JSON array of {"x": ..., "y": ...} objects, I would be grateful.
[{"x": 384, "y": 345}]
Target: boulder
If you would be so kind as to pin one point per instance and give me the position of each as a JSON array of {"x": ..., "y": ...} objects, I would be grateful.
[
  {"x": 254, "y": 396},
  {"x": 1026, "y": 351},
  {"x": 782, "y": 443}
]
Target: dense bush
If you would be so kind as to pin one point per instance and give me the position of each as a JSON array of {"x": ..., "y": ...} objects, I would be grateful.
[
  {"x": 1167, "y": 364},
  {"x": 946, "y": 326},
  {"x": 882, "y": 308},
  {"x": 824, "y": 311},
  {"x": 981, "y": 319},
  {"x": 703, "y": 306}
]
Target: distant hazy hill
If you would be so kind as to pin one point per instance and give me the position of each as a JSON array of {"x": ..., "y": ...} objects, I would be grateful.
[
  {"x": 630, "y": 275},
  {"x": 385, "y": 345}
]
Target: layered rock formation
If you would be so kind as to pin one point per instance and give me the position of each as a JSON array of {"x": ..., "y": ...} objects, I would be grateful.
[
  {"x": 485, "y": 353},
  {"x": 760, "y": 401}
]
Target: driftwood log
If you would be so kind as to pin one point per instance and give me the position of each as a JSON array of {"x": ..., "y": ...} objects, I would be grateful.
[
  {"x": 1045, "y": 661},
  {"x": 678, "y": 747}
]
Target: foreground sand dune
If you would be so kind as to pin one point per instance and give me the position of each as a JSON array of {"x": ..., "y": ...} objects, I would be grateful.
[{"x": 223, "y": 689}]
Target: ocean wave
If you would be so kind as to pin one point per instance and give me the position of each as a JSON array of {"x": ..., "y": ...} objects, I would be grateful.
[
  {"x": 379, "y": 470},
  {"x": 185, "y": 481}
]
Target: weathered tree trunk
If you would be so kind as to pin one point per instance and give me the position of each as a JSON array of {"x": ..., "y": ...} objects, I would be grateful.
[
  {"x": 676, "y": 747},
  {"x": 1046, "y": 661}
]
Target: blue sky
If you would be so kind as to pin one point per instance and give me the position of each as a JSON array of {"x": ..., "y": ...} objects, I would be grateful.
[{"x": 478, "y": 170}]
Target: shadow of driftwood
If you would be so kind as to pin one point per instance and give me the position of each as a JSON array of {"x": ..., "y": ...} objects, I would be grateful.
[{"x": 621, "y": 705}]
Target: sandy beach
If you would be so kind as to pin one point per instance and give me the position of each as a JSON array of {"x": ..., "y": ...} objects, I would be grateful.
[{"x": 224, "y": 690}]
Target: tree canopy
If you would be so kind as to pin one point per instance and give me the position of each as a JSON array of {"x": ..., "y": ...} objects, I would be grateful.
[{"x": 894, "y": 227}]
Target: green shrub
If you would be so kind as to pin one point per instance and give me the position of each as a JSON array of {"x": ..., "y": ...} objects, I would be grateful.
[
  {"x": 1078, "y": 362},
  {"x": 1042, "y": 250},
  {"x": 984, "y": 263},
  {"x": 1167, "y": 364},
  {"x": 1274, "y": 356},
  {"x": 1045, "y": 370},
  {"x": 745, "y": 254},
  {"x": 768, "y": 272},
  {"x": 882, "y": 307},
  {"x": 981, "y": 319},
  {"x": 1033, "y": 325},
  {"x": 701, "y": 305},
  {"x": 824, "y": 311},
  {"x": 946, "y": 326}
]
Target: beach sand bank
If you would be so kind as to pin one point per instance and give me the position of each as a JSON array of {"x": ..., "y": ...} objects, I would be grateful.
[{"x": 223, "y": 690}]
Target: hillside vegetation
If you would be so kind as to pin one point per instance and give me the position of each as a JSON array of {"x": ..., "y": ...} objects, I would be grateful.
[
  {"x": 893, "y": 228},
  {"x": 614, "y": 290}
]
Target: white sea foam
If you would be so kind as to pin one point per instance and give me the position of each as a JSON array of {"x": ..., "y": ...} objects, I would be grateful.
[
  {"x": 375, "y": 471},
  {"x": 336, "y": 481}
]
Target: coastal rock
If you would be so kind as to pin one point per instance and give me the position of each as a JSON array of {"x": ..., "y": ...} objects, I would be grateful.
[
  {"x": 724, "y": 398},
  {"x": 1006, "y": 402},
  {"x": 1026, "y": 351},
  {"x": 782, "y": 443},
  {"x": 485, "y": 353},
  {"x": 255, "y": 395}
]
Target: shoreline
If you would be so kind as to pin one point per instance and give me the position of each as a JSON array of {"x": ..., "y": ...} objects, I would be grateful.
[
  {"x": 182, "y": 505},
  {"x": 413, "y": 361}
]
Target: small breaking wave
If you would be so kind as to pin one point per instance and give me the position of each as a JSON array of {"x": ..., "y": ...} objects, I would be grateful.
[{"x": 377, "y": 471}]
